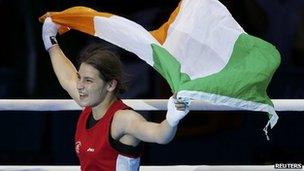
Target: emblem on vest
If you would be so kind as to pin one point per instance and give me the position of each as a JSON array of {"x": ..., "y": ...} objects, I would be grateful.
[
  {"x": 77, "y": 146},
  {"x": 90, "y": 149}
]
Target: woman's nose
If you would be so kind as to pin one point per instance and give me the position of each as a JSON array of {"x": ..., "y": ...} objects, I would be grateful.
[{"x": 80, "y": 85}]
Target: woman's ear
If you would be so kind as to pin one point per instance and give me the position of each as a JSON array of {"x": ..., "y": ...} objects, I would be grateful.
[{"x": 111, "y": 85}]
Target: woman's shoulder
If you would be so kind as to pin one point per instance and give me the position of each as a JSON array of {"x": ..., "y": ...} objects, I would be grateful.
[
  {"x": 127, "y": 116},
  {"x": 122, "y": 120}
]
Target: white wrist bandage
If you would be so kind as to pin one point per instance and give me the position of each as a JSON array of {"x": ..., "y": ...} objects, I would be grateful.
[
  {"x": 173, "y": 115},
  {"x": 49, "y": 32}
]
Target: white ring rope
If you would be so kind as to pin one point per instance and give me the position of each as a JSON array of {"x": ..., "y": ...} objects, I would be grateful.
[
  {"x": 136, "y": 104},
  {"x": 151, "y": 168}
]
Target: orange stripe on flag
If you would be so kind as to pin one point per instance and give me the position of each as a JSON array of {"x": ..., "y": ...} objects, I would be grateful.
[
  {"x": 161, "y": 33},
  {"x": 79, "y": 18}
]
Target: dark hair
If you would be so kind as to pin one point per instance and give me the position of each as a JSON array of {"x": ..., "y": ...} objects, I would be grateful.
[{"x": 106, "y": 62}]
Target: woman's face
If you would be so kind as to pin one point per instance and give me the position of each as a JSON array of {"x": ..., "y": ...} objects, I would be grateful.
[{"x": 91, "y": 88}]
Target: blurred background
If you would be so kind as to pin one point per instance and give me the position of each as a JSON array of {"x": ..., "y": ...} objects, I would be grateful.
[{"x": 204, "y": 138}]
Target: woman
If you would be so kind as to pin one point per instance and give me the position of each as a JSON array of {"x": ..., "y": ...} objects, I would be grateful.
[{"x": 109, "y": 133}]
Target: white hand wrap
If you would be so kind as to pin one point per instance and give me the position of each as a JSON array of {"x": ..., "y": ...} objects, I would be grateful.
[
  {"x": 49, "y": 32},
  {"x": 173, "y": 115}
]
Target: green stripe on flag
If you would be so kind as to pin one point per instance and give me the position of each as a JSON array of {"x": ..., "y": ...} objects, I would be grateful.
[
  {"x": 168, "y": 67},
  {"x": 246, "y": 75}
]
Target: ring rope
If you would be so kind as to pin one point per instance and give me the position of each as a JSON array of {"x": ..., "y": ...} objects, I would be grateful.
[
  {"x": 152, "y": 168},
  {"x": 136, "y": 104}
]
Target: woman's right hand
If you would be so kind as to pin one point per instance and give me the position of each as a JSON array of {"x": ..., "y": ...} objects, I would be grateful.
[{"x": 49, "y": 32}]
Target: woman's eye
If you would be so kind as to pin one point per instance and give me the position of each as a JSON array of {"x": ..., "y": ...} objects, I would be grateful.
[{"x": 89, "y": 81}]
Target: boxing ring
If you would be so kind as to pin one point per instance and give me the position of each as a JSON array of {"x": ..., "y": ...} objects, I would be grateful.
[{"x": 144, "y": 105}]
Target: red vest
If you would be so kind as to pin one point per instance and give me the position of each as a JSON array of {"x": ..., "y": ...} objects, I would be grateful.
[{"x": 93, "y": 146}]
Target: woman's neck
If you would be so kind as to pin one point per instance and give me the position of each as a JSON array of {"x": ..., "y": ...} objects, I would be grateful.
[{"x": 100, "y": 110}]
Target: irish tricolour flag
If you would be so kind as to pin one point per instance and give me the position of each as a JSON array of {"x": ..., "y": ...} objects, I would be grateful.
[{"x": 201, "y": 51}]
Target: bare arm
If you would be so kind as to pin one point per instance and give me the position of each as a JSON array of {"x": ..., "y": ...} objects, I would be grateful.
[
  {"x": 63, "y": 67},
  {"x": 132, "y": 123},
  {"x": 65, "y": 71},
  {"x": 128, "y": 122}
]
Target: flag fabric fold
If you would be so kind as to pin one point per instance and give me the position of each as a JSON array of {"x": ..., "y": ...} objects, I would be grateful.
[{"x": 202, "y": 52}]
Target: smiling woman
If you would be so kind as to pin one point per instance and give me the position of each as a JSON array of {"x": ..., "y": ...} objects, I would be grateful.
[
  {"x": 91, "y": 88},
  {"x": 106, "y": 62},
  {"x": 100, "y": 70},
  {"x": 109, "y": 133}
]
